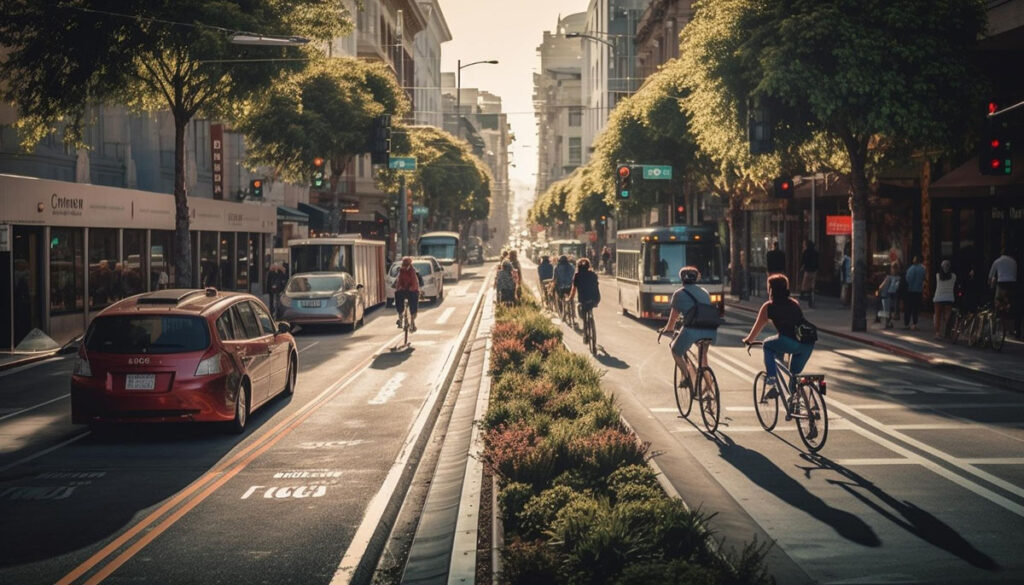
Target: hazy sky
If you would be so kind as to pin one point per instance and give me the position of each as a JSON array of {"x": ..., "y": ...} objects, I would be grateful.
[{"x": 509, "y": 31}]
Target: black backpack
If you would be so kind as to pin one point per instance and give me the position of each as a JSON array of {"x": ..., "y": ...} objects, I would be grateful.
[
  {"x": 701, "y": 315},
  {"x": 806, "y": 332}
]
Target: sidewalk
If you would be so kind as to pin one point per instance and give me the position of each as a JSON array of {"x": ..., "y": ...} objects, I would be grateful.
[{"x": 1002, "y": 368}]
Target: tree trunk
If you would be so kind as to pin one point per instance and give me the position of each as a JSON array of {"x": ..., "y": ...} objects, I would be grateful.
[
  {"x": 736, "y": 235},
  {"x": 858, "y": 208},
  {"x": 182, "y": 242}
]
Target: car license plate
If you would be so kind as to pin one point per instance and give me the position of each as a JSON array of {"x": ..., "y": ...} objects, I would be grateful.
[
  {"x": 140, "y": 382},
  {"x": 309, "y": 304}
]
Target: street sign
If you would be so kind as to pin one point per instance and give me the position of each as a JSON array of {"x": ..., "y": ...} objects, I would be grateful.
[
  {"x": 402, "y": 163},
  {"x": 663, "y": 172},
  {"x": 420, "y": 211}
]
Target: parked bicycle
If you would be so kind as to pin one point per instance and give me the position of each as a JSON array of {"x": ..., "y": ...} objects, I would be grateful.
[
  {"x": 988, "y": 328},
  {"x": 705, "y": 391},
  {"x": 803, "y": 398}
]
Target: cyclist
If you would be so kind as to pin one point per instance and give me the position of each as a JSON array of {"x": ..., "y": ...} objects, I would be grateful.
[
  {"x": 785, "y": 313},
  {"x": 545, "y": 273},
  {"x": 407, "y": 290},
  {"x": 585, "y": 283},
  {"x": 564, "y": 274},
  {"x": 684, "y": 302}
]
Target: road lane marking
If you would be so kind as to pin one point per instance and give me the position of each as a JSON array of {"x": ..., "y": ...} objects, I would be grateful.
[
  {"x": 389, "y": 389},
  {"x": 43, "y": 452},
  {"x": 24, "y": 410},
  {"x": 308, "y": 346},
  {"x": 875, "y": 461},
  {"x": 19, "y": 369},
  {"x": 447, "y": 314},
  {"x": 934, "y": 426},
  {"x": 937, "y": 405},
  {"x": 994, "y": 460}
]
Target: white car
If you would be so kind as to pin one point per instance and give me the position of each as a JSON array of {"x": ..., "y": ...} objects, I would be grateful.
[{"x": 429, "y": 269}]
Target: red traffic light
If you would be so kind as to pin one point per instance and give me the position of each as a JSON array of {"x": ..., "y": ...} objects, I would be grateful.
[
  {"x": 317, "y": 162},
  {"x": 680, "y": 209},
  {"x": 995, "y": 163},
  {"x": 992, "y": 107},
  {"x": 786, "y": 186},
  {"x": 995, "y": 143},
  {"x": 256, "y": 183},
  {"x": 624, "y": 171}
]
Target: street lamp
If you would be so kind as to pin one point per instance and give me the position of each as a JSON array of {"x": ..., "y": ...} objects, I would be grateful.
[
  {"x": 458, "y": 90},
  {"x": 241, "y": 38},
  {"x": 577, "y": 35}
]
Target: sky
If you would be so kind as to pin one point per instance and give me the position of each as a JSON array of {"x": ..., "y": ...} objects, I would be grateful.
[{"x": 509, "y": 31}]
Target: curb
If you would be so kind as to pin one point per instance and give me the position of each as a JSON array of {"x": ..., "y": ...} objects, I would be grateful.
[{"x": 944, "y": 363}]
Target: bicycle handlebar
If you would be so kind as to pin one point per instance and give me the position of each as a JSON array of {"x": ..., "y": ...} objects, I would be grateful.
[{"x": 752, "y": 344}]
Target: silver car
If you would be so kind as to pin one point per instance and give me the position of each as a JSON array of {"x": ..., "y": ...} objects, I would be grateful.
[
  {"x": 323, "y": 297},
  {"x": 429, "y": 269}
]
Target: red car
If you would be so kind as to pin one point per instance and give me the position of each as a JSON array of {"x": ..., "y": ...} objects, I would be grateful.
[{"x": 182, "y": 355}]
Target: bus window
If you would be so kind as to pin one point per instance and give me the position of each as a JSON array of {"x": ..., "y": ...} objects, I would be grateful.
[{"x": 663, "y": 261}]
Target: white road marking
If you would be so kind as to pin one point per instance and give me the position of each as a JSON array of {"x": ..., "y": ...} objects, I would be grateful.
[
  {"x": 447, "y": 314},
  {"x": 995, "y": 461},
  {"x": 875, "y": 461},
  {"x": 663, "y": 409},
  {"x": 19, "y": 369},
  {"x": 389, "y": 389},
  {"x": 936, "y": 405},
  {"x": 934, "y": 427},
  {"x": 302, "y": 349},
  {"x": 24, "y": 410},
  {"x": 43, "y": 452}
]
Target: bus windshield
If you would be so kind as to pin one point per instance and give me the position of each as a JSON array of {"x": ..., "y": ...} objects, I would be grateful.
[
  {"x": 318, "y": 258},
  {"x": 662, "y": 261},
  {"x": 442, "y": 248}
]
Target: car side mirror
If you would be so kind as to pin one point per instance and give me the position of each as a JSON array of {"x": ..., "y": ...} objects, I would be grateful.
[
  {"x": 284, "y": 327},
  {"x": 359, "y": 287}
]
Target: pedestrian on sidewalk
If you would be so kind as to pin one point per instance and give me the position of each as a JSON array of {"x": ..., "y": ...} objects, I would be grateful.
[
  {"x": 845, "y": 277},
  {"x": 809, "y": 267},
  {"x": 889, "y": 292},
  {"x": 276, "y": 279},
  {"x": 775, "y": 260},
  {"x": 945, "y": 285},
  {"x": 912, "y": 298}
]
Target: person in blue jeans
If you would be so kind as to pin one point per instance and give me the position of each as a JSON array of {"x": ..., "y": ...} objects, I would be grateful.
[
  {"x": 683, "y": 301},
  {"x": 915, "y": 288},
  {"x": 784, "y": 312}
]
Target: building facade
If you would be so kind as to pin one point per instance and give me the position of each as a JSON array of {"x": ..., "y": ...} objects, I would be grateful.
[{"x": 557, "y": 102}]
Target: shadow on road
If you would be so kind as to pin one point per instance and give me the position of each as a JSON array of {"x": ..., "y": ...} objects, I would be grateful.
[{"x": 610, "y": 361}]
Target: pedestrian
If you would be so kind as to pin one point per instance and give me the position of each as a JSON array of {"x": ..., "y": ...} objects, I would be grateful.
[
  {"x": 945, "y": 287},
  {"x": 914, "y": 289},
  {"x": 845, "y": 277},
  {"x": 889, "y": 292},
  {"x": 505, "y": 284},
  {"x": 275, "y": 286},
  {"x": 775, "y": 260},
  {"x": 1003, "y": 278},
  {"x": 606, "y": 260},
  {"x": 809, "y": 267}
]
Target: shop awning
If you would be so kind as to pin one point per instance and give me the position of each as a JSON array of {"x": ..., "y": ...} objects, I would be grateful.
[
  {"x": 967, "y": 181},
  {"x": 318, "y": 216},
  {"x": 294, "y": 215}
]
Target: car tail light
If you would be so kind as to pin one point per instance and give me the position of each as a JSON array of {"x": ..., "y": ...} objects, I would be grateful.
[
  {"x": 82, "y": 367},
  {"x": 209, "y": 366}
]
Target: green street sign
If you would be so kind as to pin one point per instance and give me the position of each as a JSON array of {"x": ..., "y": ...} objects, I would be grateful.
[
  {"x": 662, "y": 172},
  {"x": 420, "y": 211},
  {"x": 402, "y": 163}
]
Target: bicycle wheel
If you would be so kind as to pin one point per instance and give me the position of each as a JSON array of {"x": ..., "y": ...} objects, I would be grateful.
[
  {"x": 767, "y": 408},
  {"x": 974, "y": 330},
  {"x": 710, "y": 400},
  {"x": 998, "y": 331},
  {"x": 811, "y": 417},
  {"x": 681, "y": 390},
  {"x": 956, "y": 327},
  {"x": 405, "y": 325},
  {"x": 592, "y": 332}
]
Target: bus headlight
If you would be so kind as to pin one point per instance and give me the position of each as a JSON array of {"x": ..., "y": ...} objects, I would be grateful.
[
  {"x": 661, "y": 298},
  {"x": 716, "y": 298}
]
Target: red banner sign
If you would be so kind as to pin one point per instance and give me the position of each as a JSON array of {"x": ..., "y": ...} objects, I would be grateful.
[
  {"x": 838, "y": 225},
  {"x": 217, "y": 159}
]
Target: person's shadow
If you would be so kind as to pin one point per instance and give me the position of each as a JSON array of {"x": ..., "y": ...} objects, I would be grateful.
[
  {"x": 763, "y": 472},
  {"x": 904, "y": 514}
]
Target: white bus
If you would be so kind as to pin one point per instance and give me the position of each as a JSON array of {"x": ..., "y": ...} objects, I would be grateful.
[
  {"x": 363, "y": 259},
  {"x": 647, "y": 263},
  {"x": 446, "y": 247},
  {"x": 574, "y": 249}
]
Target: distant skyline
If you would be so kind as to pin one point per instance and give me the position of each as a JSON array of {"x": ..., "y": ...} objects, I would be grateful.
[{"x": 509, "y": 32}]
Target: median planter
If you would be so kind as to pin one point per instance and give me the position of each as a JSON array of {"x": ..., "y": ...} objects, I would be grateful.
[{"x": 578, "y": 503}]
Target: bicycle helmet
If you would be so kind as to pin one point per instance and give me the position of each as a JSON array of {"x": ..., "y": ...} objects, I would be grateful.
[{"x": 689, "y": 274}]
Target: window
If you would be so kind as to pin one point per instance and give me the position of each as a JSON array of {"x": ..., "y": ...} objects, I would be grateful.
[
  {"x": 225, "y": 328},
  {"x": 244, "y": 317},
  {"x": 152, "y": 334},
  {"x": 66, "y": 271},
  {"x": 105, "y": 272},
  {"x": 242, "y": 272},
  {"x": 575, "y": 116},
  {"x": 209, "y": 273},
  {"x": 161, "y": 249},
  {"x": 266, "y": 323},
  {"x": 135, "y": 263},
  {"x": 575, "y": 151}
]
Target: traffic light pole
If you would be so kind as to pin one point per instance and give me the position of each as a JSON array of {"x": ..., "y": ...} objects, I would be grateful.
[{"x": 403, "y": 217}]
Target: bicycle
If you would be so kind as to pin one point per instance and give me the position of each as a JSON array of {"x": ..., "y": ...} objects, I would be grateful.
[
  {"x": 565, "y": 310},
  {"x": 705, "y": 391},
  {"x": 988, "y": 328},
  {"x": 589, "y": 327},
  {"x": 404, "y": 322},
  {"x": 547, "y": 295},
  {"x": 802, "y": 396}
]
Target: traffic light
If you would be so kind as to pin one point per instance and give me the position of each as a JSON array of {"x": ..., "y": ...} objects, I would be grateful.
[
  {"x": 256, "y": 188},
  {"x": 679, "y": 210},
  {"x": 380, "y": 140},
  {"x": 782, "y": 188},
  {"x": 623, "y": 181},
  {"x": 604, "y": 220},
  {"x": 759, "y": 128},
  {"x": 995, "y": 154},
  {"x": 318, "y": 173}
]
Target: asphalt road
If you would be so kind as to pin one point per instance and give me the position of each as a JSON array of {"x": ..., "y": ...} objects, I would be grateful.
[
  {"x": 921, "y": 480},
  {"x": 296, "y": 499}
]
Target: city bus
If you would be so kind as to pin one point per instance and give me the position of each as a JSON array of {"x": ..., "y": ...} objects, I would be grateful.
[
  {"x": 572, "y": 248},
  {"x": 446, "y": 247},
  {"x": 647, "y": 263},
  {"x": 363, "y": 259}
]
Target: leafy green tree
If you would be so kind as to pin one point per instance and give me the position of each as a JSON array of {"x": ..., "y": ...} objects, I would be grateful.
[
  {"x": 549, "y": 209},
  {"x": 327, "y": 111},
  {"x": 872, "y": 76},
  {"x": 64, "y": 58}
]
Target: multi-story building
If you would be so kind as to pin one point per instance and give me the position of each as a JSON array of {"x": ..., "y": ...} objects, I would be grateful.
[
  {"x": 557, "y": 102},
  {"x": 609, "y": 62},
  {"x": 657, "y": 34},
  {"x": 427, "y": 109}
]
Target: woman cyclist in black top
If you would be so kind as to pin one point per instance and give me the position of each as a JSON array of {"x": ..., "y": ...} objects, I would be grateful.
[{"x": 785, "y": 313}]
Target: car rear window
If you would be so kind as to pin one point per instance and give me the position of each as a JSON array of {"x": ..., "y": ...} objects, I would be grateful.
[
  {"x": 315, "y": 284},
  {"x": 152, "y": 334}
]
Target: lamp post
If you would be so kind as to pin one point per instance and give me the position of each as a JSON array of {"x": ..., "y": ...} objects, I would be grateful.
[
  {"x": 458, "y": 91},
  {"x": 257, "y": 39}
]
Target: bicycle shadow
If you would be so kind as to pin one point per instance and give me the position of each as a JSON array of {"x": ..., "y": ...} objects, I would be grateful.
[
  {"x": 609, "y": 361},
  {"x": 763, "y": 472},
  {"x": 904, "y": 514}
]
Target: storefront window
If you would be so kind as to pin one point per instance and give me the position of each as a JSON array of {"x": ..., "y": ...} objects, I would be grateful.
[
  {"x": 135, "y": 265},
  {"x": 242, "y": 272},
  {"x": 227, "y": 261},
  {"x": 161, "y": 257},
  {"x": 208, "y": 269},
  {"x": 105, "y": 271},
  {"x": 66, "y": 270}
]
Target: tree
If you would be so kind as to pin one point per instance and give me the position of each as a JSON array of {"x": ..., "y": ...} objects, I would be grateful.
[
  {"x": 327, "y": 111},
  {"x": 66, "y": 58},
  {"x": 870, "y": 76}
]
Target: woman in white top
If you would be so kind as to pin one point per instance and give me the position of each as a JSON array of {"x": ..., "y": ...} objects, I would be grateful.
[{"x": 945, "y": 283}]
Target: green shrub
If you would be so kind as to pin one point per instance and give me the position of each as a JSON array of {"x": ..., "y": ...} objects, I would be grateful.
[
  {"x": 533, "y": 365},
  {"x": 632, "y": 475},
  {"x": 515, "y": 411},
  {"x": 508, "y": 386},
  {"x": 604, "y": 451},
  {"x": 666, "y": 571},
  {"x": 529, "y": 563},
  {"x": 512, "y": 497},
  {"x": 568, "y": 370},
  {"x": 596, "y": 543},
  {"x": 507, "y": 354},
  {"x": 540, "y": 512}
]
